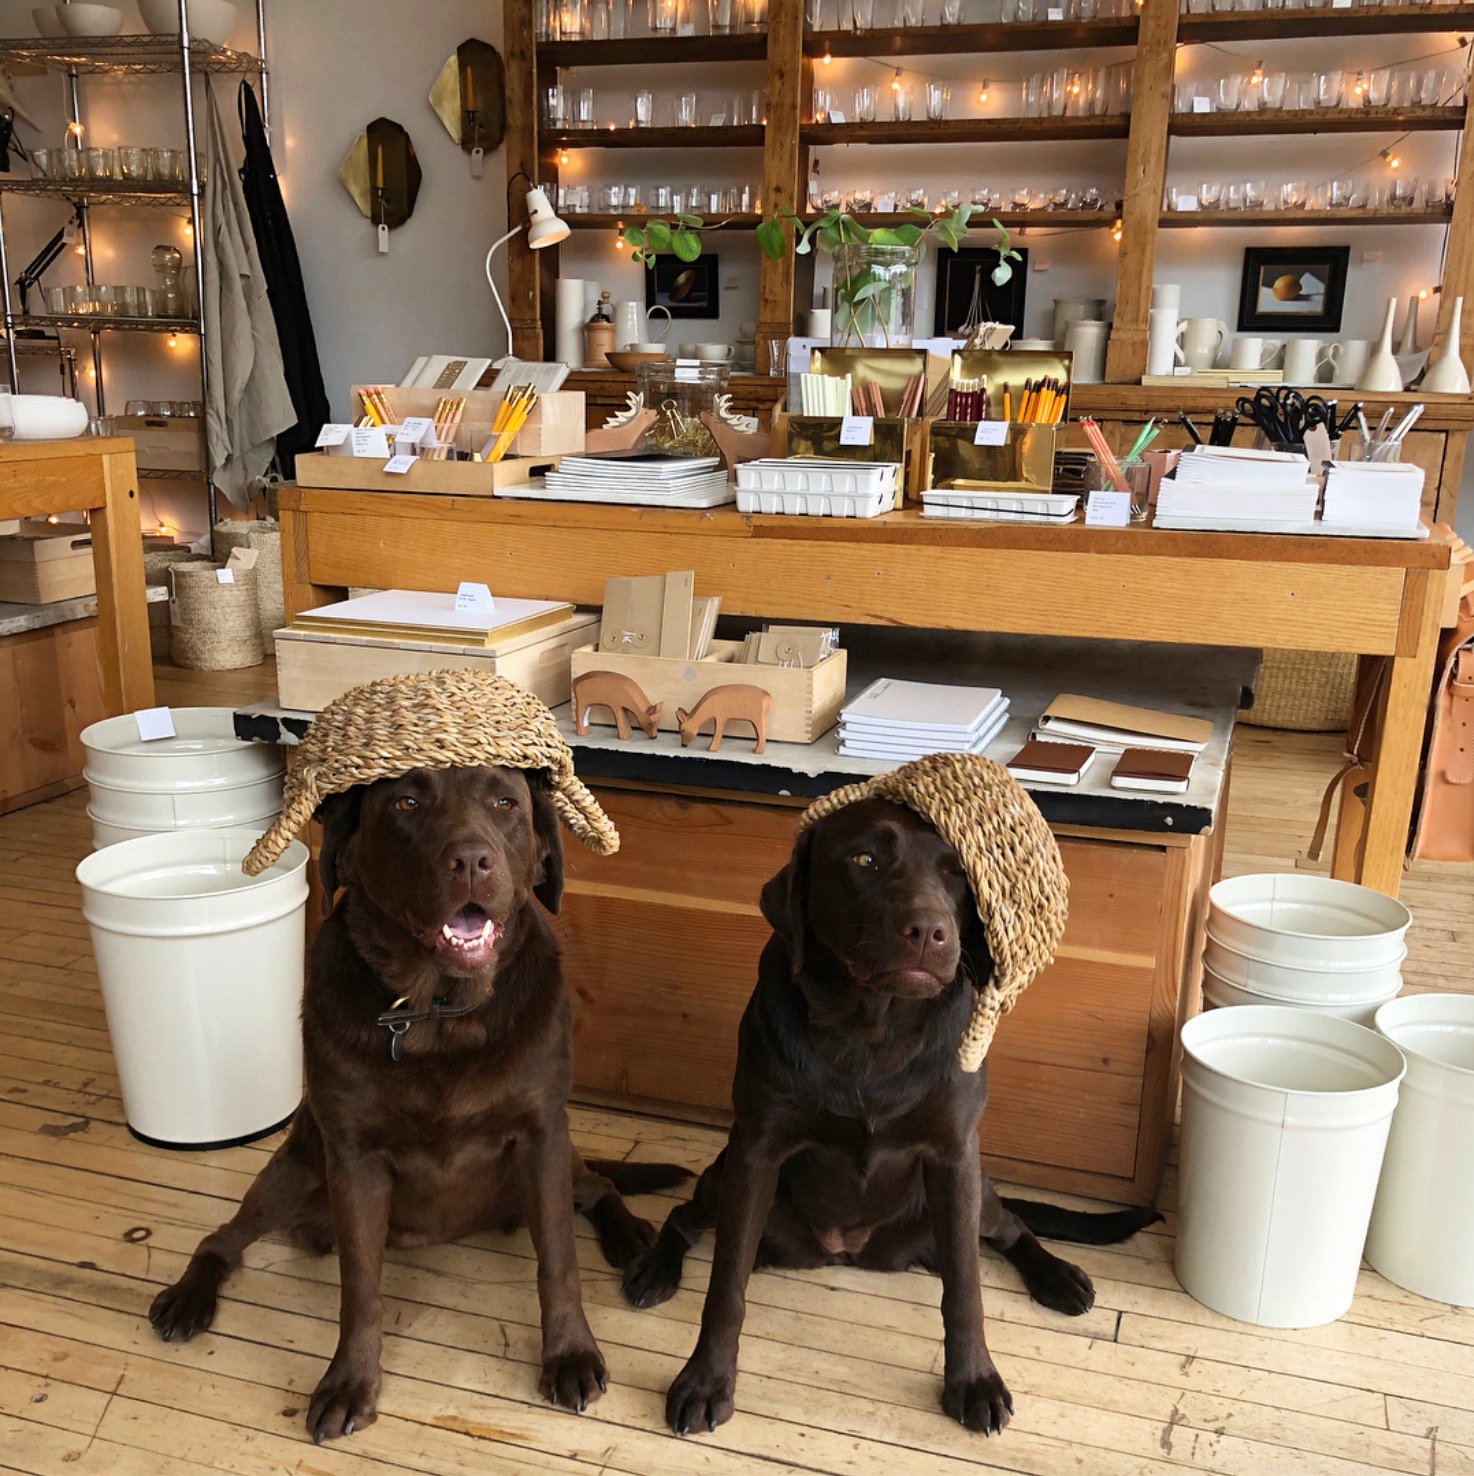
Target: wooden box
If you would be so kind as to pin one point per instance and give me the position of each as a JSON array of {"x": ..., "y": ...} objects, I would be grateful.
[
  {"x": 437, "y": 478},
  {"x": 806, "y": 700},
  {"x": 39, "y": 568},
  {"x": 174, "y": 443},
  {"x": 313, "y": 667},
  {"x": 555, "y": 426}
]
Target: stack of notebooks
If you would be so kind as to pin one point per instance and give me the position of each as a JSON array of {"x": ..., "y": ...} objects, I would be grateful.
[
  {"x": 901, "y": 721},
  {"x": 1240, "y": 489},
  {"x": 639, "y": 478},
  {"x": 1380, "y": 495}
]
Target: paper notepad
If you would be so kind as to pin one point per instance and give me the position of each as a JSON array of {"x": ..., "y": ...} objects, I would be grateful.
[
  {"x": 895, "y": 704},
  {"x": 420, "y": 615},
  {"x": 1117, "y": 725}
]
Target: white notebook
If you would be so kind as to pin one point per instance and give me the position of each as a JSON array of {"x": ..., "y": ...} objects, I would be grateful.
[
  {"x": 901, "y": 751},
  {"x": 928, "y": 706}
]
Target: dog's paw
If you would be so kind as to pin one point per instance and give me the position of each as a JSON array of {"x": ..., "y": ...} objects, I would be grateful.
[
  {"x": 651, "y": 1278},
  {"x": 184, "y": 1309},
  {"x": 625, "y": 1239},
  {"x": 980, "y": 1401},
  {"x": 1058, "y": 1284},
  {"x": 574, "y": 1379},
  {"x": 346, "y": 1399},
  {"x": 700, "y": 1399}
]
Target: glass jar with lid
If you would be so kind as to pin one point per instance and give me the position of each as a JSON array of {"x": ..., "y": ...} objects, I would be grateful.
[{"x": 679, "y": 393}]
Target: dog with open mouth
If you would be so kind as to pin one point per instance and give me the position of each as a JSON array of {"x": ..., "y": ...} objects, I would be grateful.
[{"x": 438, "y": 1063}]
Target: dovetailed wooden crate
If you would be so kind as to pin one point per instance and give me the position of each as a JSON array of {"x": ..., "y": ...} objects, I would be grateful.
[
  {"x": 39, "y": 568},
  {"x": 435, "y": 478},
  {"x": 806, "y": 700},
  {"x": 555, "y": 427}
]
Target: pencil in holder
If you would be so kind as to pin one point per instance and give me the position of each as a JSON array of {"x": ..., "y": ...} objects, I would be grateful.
[{"x": 1137, "y": 473}]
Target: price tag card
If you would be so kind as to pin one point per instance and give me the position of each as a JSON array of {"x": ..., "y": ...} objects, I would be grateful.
[
  {"x": 474, "y": 597},
  {"x": 417, "y": 430},
  {"x": 1183, "y": 371},
  {"x": 225, "y": 576},
  {"x": 1054, "y": 13},
  {"x": 1108, "y": 509},
  {"x": 369, "y": 440},
  {"x": 1202, "y": 104},
  {"x": 396, "y": 466},
  {"x": 991, "y": 433},
  {"x": 835, "y": 116},
  {"x": 154, "y": 723},
  {"x": 857, "y": 430},
  {"x": 332, "y": 435},
  {"x": 1187, "y": 202},
  {"x": 718, "y": 120}
]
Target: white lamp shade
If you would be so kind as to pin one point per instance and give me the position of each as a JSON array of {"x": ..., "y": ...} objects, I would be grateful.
[{"x": 545, "y": 228}]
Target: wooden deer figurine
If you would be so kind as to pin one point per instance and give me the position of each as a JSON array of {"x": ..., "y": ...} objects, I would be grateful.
[
  {"x": 723, "y": 705},
  {"x": 620, "y": 695}
]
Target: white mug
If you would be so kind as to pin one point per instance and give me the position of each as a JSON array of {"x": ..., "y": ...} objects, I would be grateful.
[
  {"x": 1348, "y": 359},
  {"x": 665, "y": 327},
  {"x": 1167, "y": 295},
  {"x": 1198, "y": 341},
  {"x": 1252, "y": 353},
  {"x": 1033, "y": 345},
  {"x": 647, "y": 346},
  {"x": 713, "y": 353},
  {"x": 1304, "y": 359}
]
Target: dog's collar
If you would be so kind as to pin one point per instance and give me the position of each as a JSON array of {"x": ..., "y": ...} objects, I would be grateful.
[{"x": 399, "y": 1017}]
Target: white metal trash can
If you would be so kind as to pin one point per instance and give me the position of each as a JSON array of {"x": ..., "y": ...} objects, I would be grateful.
[
  {"x": 1220, "y": 993},
  {"x": 1285, "y": 1115},
  {"x": 201, "y": 969},
  {"x": 1422, "y": 1233}
]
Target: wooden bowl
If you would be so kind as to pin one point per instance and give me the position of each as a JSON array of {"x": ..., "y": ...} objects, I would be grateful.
[{"x": 626, "y": 361}]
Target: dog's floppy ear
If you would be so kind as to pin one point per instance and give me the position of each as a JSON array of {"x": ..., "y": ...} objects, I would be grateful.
[
  {"x": 548, "y": 838},
  {"x": 785, "y": 900},
  {"x": 339, "y": 815}
]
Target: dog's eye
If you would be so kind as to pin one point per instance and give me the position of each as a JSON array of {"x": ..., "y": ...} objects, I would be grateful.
[
  {"x": 406, "y": 802},
  {"x": 506, "y": 802},
  {"x": 863, "y": 859}
]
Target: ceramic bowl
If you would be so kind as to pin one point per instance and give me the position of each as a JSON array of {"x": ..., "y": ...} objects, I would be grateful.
[
  {"x": 627, "y": 361},
  {"x": 45, "y": 20},
  {"x": 79, "y": 19},
  {"x": 209, "y": 20},
  {"x": 47, "y": 417}
]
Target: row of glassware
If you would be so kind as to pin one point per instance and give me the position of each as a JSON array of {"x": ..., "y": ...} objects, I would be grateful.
[
  {"x": 613, "y": 20},
  {"x": 1222, "y": 7},
  {"x": 578, "y": 107},
  {"x": 620, "y": 199},
  {"x": 169, "y": 409},
  {"x": 1385, "y": 87},
  {"x": 1062, "y": 92},
  {"x": 708, "y": 200},
  {"x": 137, "y": 165},
  {"x": 1402, "y": 192},
  {"x": 103, "y": 301}
]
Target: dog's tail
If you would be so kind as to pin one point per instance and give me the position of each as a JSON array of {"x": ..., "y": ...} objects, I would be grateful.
[
  {"x": 639, "y": 1178},
  {"x": 1051, "y": 1222}
]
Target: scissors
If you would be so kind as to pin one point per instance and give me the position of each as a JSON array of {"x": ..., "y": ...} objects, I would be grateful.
[{"x": 1284, "y": 414}]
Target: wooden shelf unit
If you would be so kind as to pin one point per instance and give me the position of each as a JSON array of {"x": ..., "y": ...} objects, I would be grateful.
[{"x": 1156, "y": 31}]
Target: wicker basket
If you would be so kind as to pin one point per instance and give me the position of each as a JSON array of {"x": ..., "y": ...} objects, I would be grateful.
[
  {"x": 263, "y": 535},
  {"x": 216, "y": 627},
  {"x": 1310, "y": 691},
  {"x": 156, "y": 565}
]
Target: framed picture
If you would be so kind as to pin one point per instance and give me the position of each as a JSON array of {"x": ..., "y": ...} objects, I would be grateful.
[
  {"x": 969, "y": 270},
  {"x": 1293, "y": 287},
  {"x": 688, "y": 289}
]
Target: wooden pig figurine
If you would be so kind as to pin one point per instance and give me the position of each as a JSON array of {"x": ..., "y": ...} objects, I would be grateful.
[
  {"x": 723, "y": 705},
  {"x": 620, "y": 695}
]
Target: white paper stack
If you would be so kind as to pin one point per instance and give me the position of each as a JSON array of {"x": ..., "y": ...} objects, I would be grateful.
[
  {"x": 1373, "y": 494},
  {"x": 1238, "y": 488},
  {"x": 900, "y": 720},
  {"x": 647, "y": 478}
]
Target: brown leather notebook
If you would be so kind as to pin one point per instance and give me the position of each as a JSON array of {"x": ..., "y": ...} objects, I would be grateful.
[
  {"x": 1153, "y": 768},
  {"x": 1051, "y": 763}
]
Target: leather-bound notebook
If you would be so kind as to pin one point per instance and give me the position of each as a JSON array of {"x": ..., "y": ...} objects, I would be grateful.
[
  {"x": 1051, "y": 763},
  {"x": 1158, "y": 769}
]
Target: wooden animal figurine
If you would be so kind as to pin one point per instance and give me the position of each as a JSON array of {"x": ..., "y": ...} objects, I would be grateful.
[
  {"x": 723, "y": 705},
  {"x": 620, "y": 695}
]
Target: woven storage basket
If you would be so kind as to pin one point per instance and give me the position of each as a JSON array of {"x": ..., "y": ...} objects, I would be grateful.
[
  {"x": 1311, "y": 691},
  {"x": 263, "y": 535},
  {"x": 156, "y": 564},
  {"x": 216, "y": 626}
]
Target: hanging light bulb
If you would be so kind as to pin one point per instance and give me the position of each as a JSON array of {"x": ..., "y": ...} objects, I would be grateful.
[
  {"x": 1116, "y": 230},
  {"x": 75, "y": 130},
  {"x": 563, "y": 156},
  {"x": 896, "y": 81},
  {"x": 827, "y": 58},
  {"x": 1424, "y": 293},
  {"x": 173, "y": 340},
  {"x": 1257, "y": 75},
  {"x": 983, "y": 90}
]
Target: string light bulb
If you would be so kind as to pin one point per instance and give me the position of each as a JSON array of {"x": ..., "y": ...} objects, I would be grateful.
[
  {"x": 1424, "y": 294},
  {"x": 896, "y": 81},
  {"x": 983, "y": 90},
  {"x": 563, "y": 156},
  {"x": 1116, "y": 230},
  {"x": 75, "y": 130},
  {"x": 1394, "y": 161},
  {"x": 827, "y": 60},
  {"x": 173, "y": 340},
  {"x": 1257, "y": 75}
]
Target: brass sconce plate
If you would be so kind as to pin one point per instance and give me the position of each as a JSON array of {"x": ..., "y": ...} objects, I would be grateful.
[
  {"x": 470, "y": 96},
  {"x": 382, "y": 174}
]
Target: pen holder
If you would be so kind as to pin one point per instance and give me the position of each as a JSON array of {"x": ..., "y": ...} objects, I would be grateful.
[
  {"x": 1022, "y": 462},
  {"x": 1009, "y": 371},
  {"x": 892, "y": 439},
  {"x": 1138, "y": 475}
]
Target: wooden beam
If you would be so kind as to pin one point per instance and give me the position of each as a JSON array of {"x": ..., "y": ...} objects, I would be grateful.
[
  {"x": 1146, "y": 173},
  {"x": 524, "y": 294},
  {"x": 1458, "y": 261},
  {"x": 783, "y": 170}
]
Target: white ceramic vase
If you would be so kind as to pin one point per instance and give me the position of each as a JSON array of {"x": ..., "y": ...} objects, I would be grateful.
[
  {"x": 1409, "y": 342},
  {"x": 1446, "y": 374},
  {"x": 1381, "y": 375}
]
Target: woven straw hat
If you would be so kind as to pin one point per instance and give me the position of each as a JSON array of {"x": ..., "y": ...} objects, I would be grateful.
[
  {"x": 437, "y": 720},
  {"x": 1012, "y": 863}
]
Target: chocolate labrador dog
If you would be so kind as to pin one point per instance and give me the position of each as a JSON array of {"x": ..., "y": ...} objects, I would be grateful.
[
  {"x": 855, "y": 1136},
  {"x": 437, "y": 1040}
]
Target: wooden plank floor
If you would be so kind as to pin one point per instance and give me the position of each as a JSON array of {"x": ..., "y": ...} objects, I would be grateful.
[{"x": 840, "y": 1370}]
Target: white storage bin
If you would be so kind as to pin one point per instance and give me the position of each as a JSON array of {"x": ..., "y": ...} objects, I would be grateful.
[
  {"x": 1309, "y": 921},
  {"x": 1285, "y": 1115},
  {"x": 1220, "y": 993},
  {"x": 201, "y": 969},
  {"x": 1296, "y": 983}
]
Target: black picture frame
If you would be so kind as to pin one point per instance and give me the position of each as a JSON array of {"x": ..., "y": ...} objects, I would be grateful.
[
  {"x": 1319, "y": 274},
  {"x": 958, "y": 271},
  {"x": 685, "y": 289}
]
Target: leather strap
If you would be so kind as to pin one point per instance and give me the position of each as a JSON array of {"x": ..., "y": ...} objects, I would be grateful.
[
  {"x": 1461, "y": 718},
  {"x": 1354, "y": 768}
]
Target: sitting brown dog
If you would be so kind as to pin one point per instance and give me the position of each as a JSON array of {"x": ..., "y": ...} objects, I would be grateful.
[
  {"x": 436, "y": 1033},
  {"x": 855, "y": 1140}
]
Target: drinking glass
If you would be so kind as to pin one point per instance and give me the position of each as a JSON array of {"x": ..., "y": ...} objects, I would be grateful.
[
  {"x": 45, "y": 162},
  {"x": 861, "y": 201},
  {"x": 1254, "y": 193},
  {"x": 1328, "y": 87},
  {"x": 864, "y": 14},
  {"x": 901, "y": 104},
  {"x": 823, "y": 102},
  {"x": 554, "y": 107},
  {"x": 644, "y": 108},
  {"x": 1338, "y": 197},
  {"x": 1402, "y": 193},
  {"x": 1182, "y": 97},
  {"x": 1234, "y": 197},
  {"x": 55, "y": 298},
  {"x": 864, "y": 105},
  {"x": 584, "y": 114},
  {"x": 1293, "y": 194},
  {"x": 1032, "y": 89},
  {"x": 570, "y": 20},
  {"x": 1272, "y": 91},
  {"x": 720, "y": 16},
  {"x": 133, "y": 163},
  {"x": 1084, "y": 10},
  {"x": 1077, "y": 95},
  {"x": 1210, "y": 194},
  {"x": 813, "y": 15},
  {"x": 916, "y": 198},
  {"x": 778, "y": 358},
  {"x": 1059, "y": 94},
  {"x": 100, "y": 163},
  {"x": 599, "y": 25},
  {"x": 686, "y": 110},
  {"x": 951, "y": 12},
  {"x": 751, "y": 14},
  {"x": 661, "y": 194},
  {"x": 661, "y": 17},
  {"x": 938, "y": 96},
  {"x": 1230, "y": 94},
  {"x": 911, "y": 12}
]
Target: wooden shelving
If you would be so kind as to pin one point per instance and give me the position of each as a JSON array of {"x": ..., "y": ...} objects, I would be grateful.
[
  {"x": 1329, "y": 219},
  {"x": 974, "y": 39},
  {"x": 645, "y": 51},
  {"x": 589, "y": 221},
  {"x": 738, "y": 136},
  {"x": 1315, "y": 120},
  {"x": 965, "y": 130},
  {"x": 983, "y": 221},
  {"x": 1357, "y": 20}
]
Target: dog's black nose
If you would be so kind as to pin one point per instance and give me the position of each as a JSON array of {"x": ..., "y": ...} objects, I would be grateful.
[
  {"x": 469, "y": 860},
  {"x": 925, "y": 928}
]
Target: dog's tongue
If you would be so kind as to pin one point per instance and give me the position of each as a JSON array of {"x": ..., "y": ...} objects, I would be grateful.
[{"x": 468, "y": 922}]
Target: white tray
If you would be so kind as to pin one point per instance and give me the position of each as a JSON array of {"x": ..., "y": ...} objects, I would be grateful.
[
  {"x": 1032, "y": 504},
  {"x": 817, "y": 504},
  {"x": 1209, "y": 524},
  {"x": 796, "y": 474},
  {"x": 986, "y": 515},
  {"x": 535, "y": 491}
]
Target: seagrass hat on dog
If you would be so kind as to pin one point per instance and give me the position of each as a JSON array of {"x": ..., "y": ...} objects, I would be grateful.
[
  {"x": 436, "y": 720},
  {"x": 1012, "y": 863}
]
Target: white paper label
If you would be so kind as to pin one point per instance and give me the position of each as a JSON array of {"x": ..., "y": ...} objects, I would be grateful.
[
  {"x": 1187, "y": 202},
  {"x": 369, "y": 440},
  {"x": 1108, "y": 509},
  {"x": 857, "y": 430},
  {"x": 476, "y": 597},
  {"x": 1340, "y": 4},
  {"x": 835, "y": 116},
  {"x": 688, "y": 371},
  {"x": 154, "y": 723},
  {"x": 225, "y": 576},
  {"x": 1183, "y": 371},
  {"x": 478, "y": 162},
  {"x": 332, "y": 435},
  {"x": 718, "y": 120},
  {"x": 1054, "y": 14},
  {"x": 418, "y": 430},
  {"x": 991, "y": 433},
  {"x": 1202, "y": 105},
  {"x": 396, "y": 466}
]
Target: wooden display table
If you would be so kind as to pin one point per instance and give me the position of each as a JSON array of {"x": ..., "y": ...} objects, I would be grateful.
[{"x": 1371, "y": 597}]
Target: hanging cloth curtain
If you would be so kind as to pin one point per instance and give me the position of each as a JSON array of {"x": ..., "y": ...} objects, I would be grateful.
[
  {"x": 284, "y": 286},
  {"x": 248, "y": 405}
]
